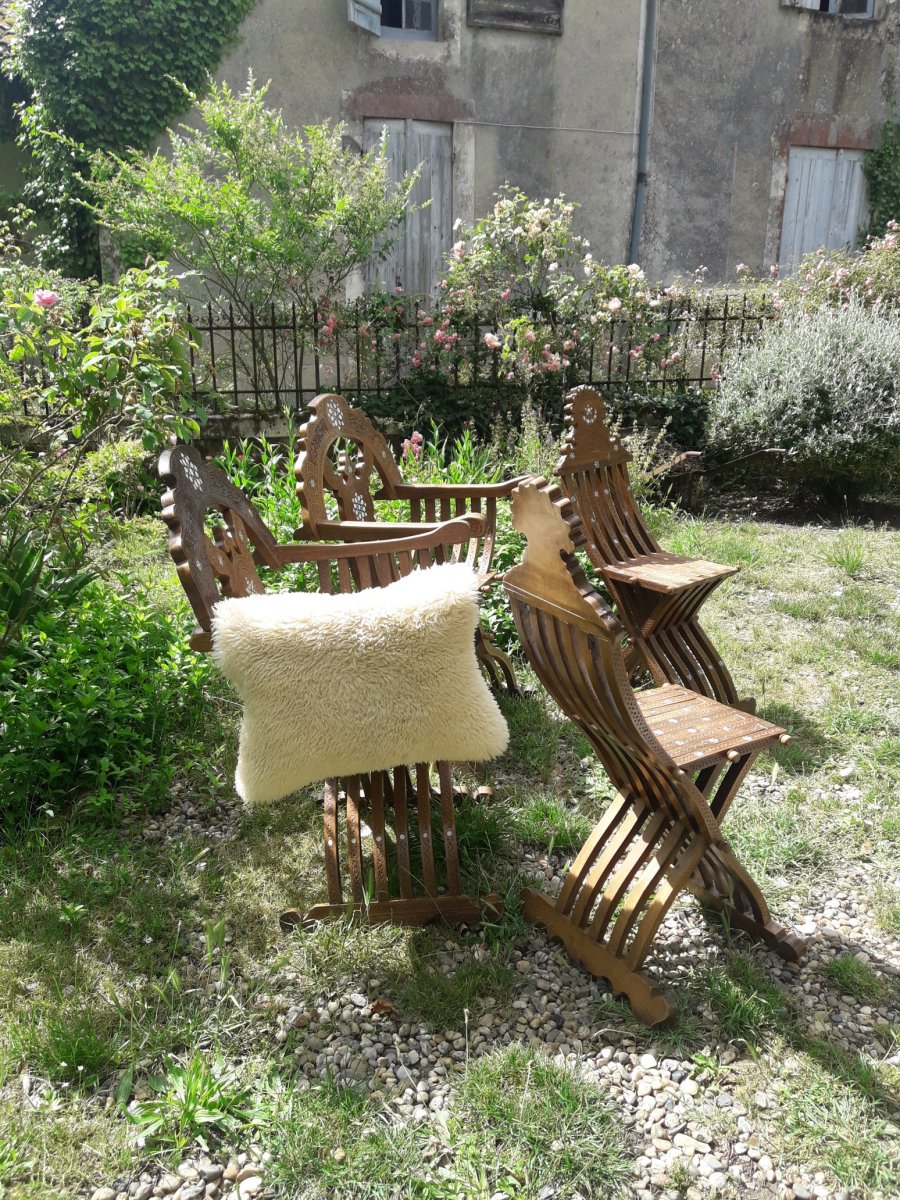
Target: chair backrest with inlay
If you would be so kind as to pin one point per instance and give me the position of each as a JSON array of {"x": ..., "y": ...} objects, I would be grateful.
[
  {"x": 576, "y": 647},
  {"x": 593, "y": 472},
  {"x": 339, "y": 451}
]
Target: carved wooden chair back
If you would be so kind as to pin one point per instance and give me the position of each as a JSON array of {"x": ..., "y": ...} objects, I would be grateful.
[
  {"x": 344, "y": 465},
  {"x": 342, "y": 455},
  {"x": 658, "y": 594},
  {"x": 422, "y": 862},
  {"x": 593, "y": 472},
  {"x": 676, "y": 758}
]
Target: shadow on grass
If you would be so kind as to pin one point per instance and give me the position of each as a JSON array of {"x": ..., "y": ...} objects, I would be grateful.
[{"x": 810, "y": 746}]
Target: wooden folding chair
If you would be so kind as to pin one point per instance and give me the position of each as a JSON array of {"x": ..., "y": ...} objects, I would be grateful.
[
  {"x": 657, "y": 594},
  {"x": 342, "y": 455},
  {"x": 409, "y": 872},
  {"x": 675, "y": 756}
]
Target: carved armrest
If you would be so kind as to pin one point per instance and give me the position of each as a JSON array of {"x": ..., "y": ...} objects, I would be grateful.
[
  {"x": 450, "y": 491},
  {"x": 367, "y": 531},
  {"x": 448, "y": 533}
]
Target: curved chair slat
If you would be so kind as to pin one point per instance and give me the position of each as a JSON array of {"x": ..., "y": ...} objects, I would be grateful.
[
  {"x": 217, "y": 541},
  {"x": 675, "y": 756}
]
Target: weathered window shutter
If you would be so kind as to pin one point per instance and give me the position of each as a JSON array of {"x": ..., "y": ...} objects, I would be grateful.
[
  {"x": 366, "y": 14},
  {"x": 824, "y": 202},
  {"x": 536, "y": 16},
  {"x": 416, "y": 259}
]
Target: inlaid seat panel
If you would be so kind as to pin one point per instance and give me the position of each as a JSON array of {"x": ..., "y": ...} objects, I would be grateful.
[
  {"x": 668, "y": 573},
  {"x": 658, "y": 595},
  {"x": 695, "y": 730}
]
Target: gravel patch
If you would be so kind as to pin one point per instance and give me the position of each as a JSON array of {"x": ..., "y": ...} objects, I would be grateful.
[{"x": 709, "y": 1128}]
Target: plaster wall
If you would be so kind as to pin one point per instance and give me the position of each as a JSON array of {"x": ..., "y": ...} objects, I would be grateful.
[
  {"x": 548, "y": 113},
  {"x": 736, "y": 85}
]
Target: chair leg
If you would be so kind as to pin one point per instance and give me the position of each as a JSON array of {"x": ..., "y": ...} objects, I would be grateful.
[
  {"x": 722, "y": 883},
  {"x": 622, "y": 883},
  {"x": 495, "y": 664},
  {"x": 367, "y": 874}
]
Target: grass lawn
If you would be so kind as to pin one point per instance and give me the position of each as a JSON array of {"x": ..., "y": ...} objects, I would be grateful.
[{"x": 150, "y": 1008}]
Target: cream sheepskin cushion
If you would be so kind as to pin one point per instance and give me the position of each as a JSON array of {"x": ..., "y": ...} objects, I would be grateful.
[{"x": 349, "y": 684}]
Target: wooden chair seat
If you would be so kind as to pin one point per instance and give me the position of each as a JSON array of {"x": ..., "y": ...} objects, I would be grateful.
[
  {"x": 668, "y": 573},
  {"x": 657, "y": 595},
  {"x": 675, "y": 756},
  {"x": 696, "y": 731},
  {"x": 341, "y": 457},
  {"x": 408, "y": 870}
]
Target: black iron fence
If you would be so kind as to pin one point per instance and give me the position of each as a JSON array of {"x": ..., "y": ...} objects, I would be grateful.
[{"x": 264, "y": 362}]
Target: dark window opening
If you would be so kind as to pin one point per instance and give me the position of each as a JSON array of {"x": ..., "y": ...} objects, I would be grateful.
[{"x": 415, "y": 17}]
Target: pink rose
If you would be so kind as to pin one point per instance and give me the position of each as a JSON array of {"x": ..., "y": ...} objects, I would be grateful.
[
  {"x": 492, "y": 341},
  {"x": 506, "y": 295},
  {"x": 45, "y": 299}
]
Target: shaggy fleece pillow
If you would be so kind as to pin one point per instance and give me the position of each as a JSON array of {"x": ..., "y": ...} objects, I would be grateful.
[{"x": 349, "y": 684}]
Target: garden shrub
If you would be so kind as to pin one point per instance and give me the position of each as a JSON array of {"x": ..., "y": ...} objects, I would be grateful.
[
  {"x": 98, "y": 696},
  {"x": 83, "y": 368},
  {"x": 260, "y": 212},
  {"x": 825, "y": 387},
  {"x": 835, "y": 277},
  {"x": 134, "y": 62}
]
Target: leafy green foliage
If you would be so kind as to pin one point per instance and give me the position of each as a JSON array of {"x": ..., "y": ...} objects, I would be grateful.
[
  {"x": 98, "y": 694},
  {"x": 133, "y": 62},
  {"x": 124, "y": 366},
  {"x": 882, "y": 171},
  {"x": 260, "y": 212},
  {"x": 192, "y": 1101},
  {"x": 83, "y": 367},
  {"x": 824, "y": 387}
]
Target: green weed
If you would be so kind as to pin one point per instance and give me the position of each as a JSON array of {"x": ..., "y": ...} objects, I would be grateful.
[
  {"x": 856, "y": 978},
  {"x": 746, "y": 1002},
  {"x": 847, "y": 551},
  {"x": 192, "y": 1101},
  {"x": 545, "y": 820}
]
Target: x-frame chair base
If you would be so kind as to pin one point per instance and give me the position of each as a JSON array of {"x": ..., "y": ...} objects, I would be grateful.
[
  {"x": 418, "y": 857},
  {"x": 629, "y": 872}
]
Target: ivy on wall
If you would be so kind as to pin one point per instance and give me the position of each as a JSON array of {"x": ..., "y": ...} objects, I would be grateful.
[
  {"x": 105, "y": 74},
  {"x": 883, "y": 177}
]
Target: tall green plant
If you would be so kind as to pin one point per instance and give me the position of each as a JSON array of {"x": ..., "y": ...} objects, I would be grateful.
[
  {"x": 882, "y": 170},
  {"x": 262, "y": 213},
  {"x": 103, "y": 74}
]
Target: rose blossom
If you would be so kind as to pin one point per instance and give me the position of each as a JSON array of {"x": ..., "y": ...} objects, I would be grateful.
[
  {"x": 492, "y": 341},
  {"x": 45, "y": 299}
]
